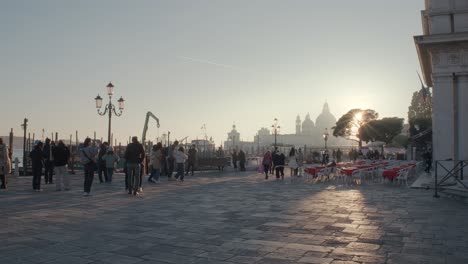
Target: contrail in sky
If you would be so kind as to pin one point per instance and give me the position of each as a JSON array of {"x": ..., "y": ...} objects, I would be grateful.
[{"x": 210, "y": 62}]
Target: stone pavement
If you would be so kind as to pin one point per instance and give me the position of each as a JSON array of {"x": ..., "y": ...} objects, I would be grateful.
[{"x": 227, "y": 218}]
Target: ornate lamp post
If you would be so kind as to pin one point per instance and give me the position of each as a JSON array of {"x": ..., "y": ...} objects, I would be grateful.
[
  {"x": 325, "y": 137},
  {"x": 275, "y": 127},
  {"x": 109, "y": 108}
]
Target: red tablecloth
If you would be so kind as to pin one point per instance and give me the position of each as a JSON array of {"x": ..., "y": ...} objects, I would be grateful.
[
  {"x": 349, "y": 170},
  {"x": 391, "y": 174},
  {"x": 313, "y": 170}
]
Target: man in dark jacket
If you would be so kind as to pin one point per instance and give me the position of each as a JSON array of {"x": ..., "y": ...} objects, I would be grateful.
[
  {"x": 134, "y": 155},
  {"x": 48, "y": 161},
  {"x": 242, "y": 160},
  {"x": 102, "y": 163},
  {"x": 278, "y": 162},
  {"x": 192, "y": 157},
  {"x": 234, "y": 159},
  {"x": 37, "y": 159},
  {"x": 61, "y": 154}
]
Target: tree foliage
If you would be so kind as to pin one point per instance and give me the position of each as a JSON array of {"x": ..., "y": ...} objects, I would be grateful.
[
  {"x": 420, "y": 117},
  {"x": 383, "y": 130},
  {"x": 350, "y": 124}
]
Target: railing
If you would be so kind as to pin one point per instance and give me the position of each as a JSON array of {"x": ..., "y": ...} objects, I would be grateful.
[{"x": 456, "y": 172}]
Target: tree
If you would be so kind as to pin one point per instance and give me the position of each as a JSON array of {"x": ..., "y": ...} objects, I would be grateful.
[
  {"x": 384, "y": 129},
  {"x": 350, "y": 124},
  {"x": 420, "y": 118}
]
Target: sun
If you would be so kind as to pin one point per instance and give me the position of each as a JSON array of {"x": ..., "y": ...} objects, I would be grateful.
[{"x": 358, "y": 116}]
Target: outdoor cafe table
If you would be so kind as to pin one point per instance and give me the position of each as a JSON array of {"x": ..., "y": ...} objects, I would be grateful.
[
  {"x": 391, "y": 173},
  {"x": 349, "y": 170},
  {"x": 313, "y": 170}
]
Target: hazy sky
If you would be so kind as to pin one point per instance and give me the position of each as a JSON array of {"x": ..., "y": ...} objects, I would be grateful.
[{"x": 203, "y": 62}]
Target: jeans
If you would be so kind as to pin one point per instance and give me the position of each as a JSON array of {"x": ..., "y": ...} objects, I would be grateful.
[
  {"x": 180, "y": 171},
  {"x": 155, "y": 173},
  {"x": 48, "y": 171},
  {"x": 3, "y": 178},
  {"x": 266, "y": 169},
  {"x": 110, "y": 172},
  {"x": 61, "y": 175},
  {"x": 170, "y": 167},
  {"x": 89, "y": 177},
  {"x": 102, "y": 170},
  {"x": 279, "y": 171},
  {"x": 190, "y": 165},
  {"x": 133, "y": 175},
  {"x": 37, "y": 172}
]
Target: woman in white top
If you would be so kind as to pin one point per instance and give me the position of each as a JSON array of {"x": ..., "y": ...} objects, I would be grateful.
[
  {"x": 180, "y": 158},
  {"x": 292, "y": 163}
]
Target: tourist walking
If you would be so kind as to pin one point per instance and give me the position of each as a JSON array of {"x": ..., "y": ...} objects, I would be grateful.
[
  {"x": 88, "y": 159},
  {"x": 300, "y": 162},
  {"x": 156, "y": 156},
  {"x": 48, "y": 161},
  {"x": 5, "y": 164},
  {"x": 234, "y": 159},
  {"x": 134, "y": 155},
  {"x": 279, "y": 161},
  {"x": 339, "y": 154},
  {"x": 292, "y": 162},
  {"x": 220, "y": 154},
  {"x": 110, "y": 159},
  {"x": 266, "y": 162},
  {"x": 37, "y": 162},
  {"x": 61, "y": 154},
  {"x": 101, "y": 163},
  {"x": 192, "y": 158},
  {"x": 180, "y": 158},
  {"x": 171, "y": 159},
  {"x": 242, "y": 160}
]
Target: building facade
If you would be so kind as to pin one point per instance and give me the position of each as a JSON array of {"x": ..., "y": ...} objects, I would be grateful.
[
  {"x": 307, "y": 134},
  {"x": 443, "y": 55}
]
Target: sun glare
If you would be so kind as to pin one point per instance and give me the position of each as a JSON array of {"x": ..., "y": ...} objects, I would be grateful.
[{"x": 358, "y": 116}]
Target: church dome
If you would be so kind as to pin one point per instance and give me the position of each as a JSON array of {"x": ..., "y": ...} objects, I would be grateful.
[
  {"x": 308, "y": 125},
  {"x": 326, "y": 119}
]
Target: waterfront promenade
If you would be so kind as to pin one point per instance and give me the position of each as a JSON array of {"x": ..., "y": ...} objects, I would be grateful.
[{"x": 235, "y": 217}]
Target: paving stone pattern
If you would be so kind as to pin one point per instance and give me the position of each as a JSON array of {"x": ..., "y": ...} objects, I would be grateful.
[{"x": 233, "y": 217}]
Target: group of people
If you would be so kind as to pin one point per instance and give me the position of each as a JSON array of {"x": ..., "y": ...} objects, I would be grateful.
[
  {"x": 239, "y": 157},
  {"x": 51, "y": 157},
  {"x": 276, "y": 161}
]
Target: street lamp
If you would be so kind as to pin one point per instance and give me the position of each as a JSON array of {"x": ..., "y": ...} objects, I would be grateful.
[
  {"x": 275, "y": 127},
  {"x": 325, "y": 137},
  {"x": 109, "y": 108}
]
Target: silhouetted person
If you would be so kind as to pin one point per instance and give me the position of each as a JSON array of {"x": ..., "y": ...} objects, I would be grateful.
[
  {"x": 192, "y": 158},
  {"x": 37, "y": 161},
  {"x": 234, "y": 159},
  {"x": 88, "y": 159},
  {"x": 5, "y": 164},
  {"x": 61, "y": 154},
  {"x": 279, "y": 161},
  {"x": 48, "y": 162},
  {"x": 134, "y": 155},
  {"x": 102, "y": 163},
  {"x": 242, "y": 160}
]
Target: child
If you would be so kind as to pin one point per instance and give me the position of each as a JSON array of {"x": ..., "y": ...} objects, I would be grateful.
[{"x": 110, "y": 159}]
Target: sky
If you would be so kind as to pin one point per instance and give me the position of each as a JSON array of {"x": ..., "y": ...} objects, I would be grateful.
[{"x": 213, "y": 62}]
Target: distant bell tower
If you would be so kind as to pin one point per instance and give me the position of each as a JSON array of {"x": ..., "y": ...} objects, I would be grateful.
[{"x": 298, "y": 125}]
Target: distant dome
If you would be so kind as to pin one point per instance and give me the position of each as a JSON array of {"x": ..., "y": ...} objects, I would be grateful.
[
  {"x": 326, "y": 119},
  {"x": 308, "y": 125}
]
